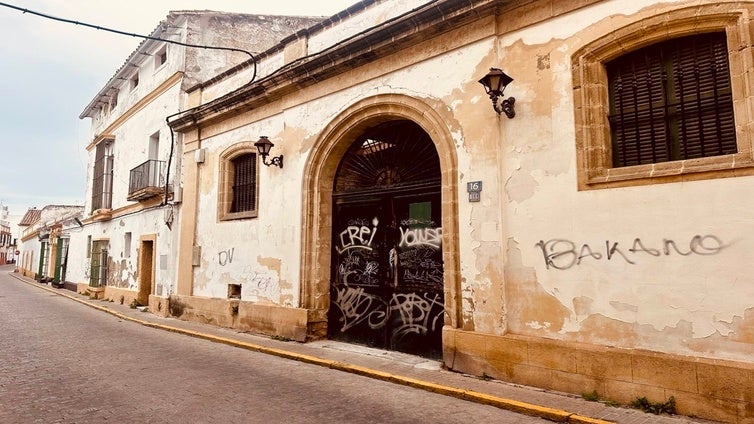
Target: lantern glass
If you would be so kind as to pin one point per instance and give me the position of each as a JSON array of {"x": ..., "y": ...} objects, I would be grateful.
[
  {"x": 264, "y": 145},
  {"x": 495, "y": 81}
]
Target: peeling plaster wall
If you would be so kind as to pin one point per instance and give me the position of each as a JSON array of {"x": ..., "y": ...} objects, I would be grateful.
[
  {"x": 376, "y": 13},
  {"x": 266, "y": 250},
  {"x": 662, "y": 267},
  {"x": 240, "y": 252},
  {"x": 122, "y": 264},
  {"x": 130, "y": 149},
  {"x": 350, "y": 26}
]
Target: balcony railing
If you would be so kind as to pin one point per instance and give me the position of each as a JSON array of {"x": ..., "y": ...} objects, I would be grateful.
[{"x": 146, "y": 180}]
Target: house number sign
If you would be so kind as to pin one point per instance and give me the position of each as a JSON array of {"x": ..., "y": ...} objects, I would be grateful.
[{"x": 474, "y": 188}]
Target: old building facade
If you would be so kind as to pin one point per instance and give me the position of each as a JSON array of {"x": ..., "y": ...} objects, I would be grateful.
[
  {"x": 124, "y": 251},
  {"x": 45, "y": 240},
  {"x": 7, "y": 239},
  {"x": 597, "y": 240}
]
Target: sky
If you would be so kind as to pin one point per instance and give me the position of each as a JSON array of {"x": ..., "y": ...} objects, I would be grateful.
[{"x": 50, "y": 71}]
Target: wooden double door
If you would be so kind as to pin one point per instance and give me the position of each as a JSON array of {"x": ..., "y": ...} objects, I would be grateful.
[{"x": 387, "y": 270}]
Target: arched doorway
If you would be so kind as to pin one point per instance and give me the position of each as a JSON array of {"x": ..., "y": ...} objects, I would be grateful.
[{"x": 387, "y": 286}]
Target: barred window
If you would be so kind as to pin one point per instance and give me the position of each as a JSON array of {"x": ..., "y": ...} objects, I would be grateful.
[
  {"x": 671, "y": 101},
  {"x": 238, "y": 196},
  {"x": 244, "y": 183},
  {"x": 654, "y": 100}
]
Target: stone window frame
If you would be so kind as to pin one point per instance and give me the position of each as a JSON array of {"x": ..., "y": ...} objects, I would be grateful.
[
  {"x": 226, "y": 177},
  {"x": 591, "y": 101}
]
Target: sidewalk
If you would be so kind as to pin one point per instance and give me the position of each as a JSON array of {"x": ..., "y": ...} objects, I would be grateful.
[{"x": 390, "y": 366}]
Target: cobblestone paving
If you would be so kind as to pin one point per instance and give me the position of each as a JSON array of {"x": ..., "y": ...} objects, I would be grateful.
[{"x": 63, "y": 362}]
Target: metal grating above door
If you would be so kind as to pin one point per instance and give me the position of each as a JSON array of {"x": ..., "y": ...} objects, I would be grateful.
[{"x": 391, "y": 154}]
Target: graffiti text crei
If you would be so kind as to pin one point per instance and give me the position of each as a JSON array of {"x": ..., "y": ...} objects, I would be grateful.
[{"x": 357, "y": 237}]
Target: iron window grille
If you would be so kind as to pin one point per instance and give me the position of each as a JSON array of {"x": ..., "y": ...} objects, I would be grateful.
[
  {"x": 244, "y": 196},
  {"x": 672, "y": 101}
]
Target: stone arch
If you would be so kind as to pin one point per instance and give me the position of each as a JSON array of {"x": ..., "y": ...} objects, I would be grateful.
[{"x": 319, "y": 173}]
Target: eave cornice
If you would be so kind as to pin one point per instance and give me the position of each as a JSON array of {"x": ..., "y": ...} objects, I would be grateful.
[
  {"x": 109, "y": 131},
  {"x": 401, "y": 32}
]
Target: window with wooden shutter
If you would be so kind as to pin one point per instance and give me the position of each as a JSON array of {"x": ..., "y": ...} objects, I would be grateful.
[
  {"x": 244, "y": 183},
  {"x": 238, "y": 193},
  {"x": 102, "y": 178},
  {"x": 654, "y": 99},
  {"x": 672, "y": 101}
]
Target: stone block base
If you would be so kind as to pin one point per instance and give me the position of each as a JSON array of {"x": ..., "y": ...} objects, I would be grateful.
[
  {"x": 707, "y": 388},
  {"x": 271, "y": 320},
  {"x": 159, "y": 305}
]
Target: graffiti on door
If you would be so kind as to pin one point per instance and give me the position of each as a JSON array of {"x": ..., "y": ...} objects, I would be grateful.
[
  {"x": 411, "y": 313},
  {"x": 358, "y": 235},
  {"x": 420, "y": 257},
  {"x": 359, "y": 263},
  {"x": 388, "y": 287}
]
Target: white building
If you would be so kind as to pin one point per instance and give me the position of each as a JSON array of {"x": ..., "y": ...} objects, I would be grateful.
[
  {"x": 7, "y": 239},
  {"x": 124, "y": 251},
  {"x": 44, "y": 242}
]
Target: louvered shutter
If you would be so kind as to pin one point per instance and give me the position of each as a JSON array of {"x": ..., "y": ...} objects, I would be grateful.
[
  {"x": 244, "y": 183},
  {"x": 671, "y": 101}
]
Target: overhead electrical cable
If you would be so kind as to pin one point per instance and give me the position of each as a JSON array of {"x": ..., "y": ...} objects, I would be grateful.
[{"x": 146, "y": 37}]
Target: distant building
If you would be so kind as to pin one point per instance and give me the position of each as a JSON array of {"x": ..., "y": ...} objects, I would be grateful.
[
  {"x": 7, "y": 243},
  {"x": 45, "y": 238},
  {"x": 29, "y": 254}
]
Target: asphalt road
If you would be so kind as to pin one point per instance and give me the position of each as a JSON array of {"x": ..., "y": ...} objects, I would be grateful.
[{"x": 64, "y": 362}]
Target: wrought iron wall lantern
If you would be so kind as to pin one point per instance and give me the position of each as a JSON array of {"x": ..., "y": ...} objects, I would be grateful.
[
  {"x": 264, "y": 145},
  {"x": 494, "y": 84}
]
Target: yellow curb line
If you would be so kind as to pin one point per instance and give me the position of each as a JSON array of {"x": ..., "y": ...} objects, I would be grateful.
[{"x": 551, "y": 414}]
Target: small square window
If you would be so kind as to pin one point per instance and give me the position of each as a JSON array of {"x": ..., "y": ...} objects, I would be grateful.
[
  {"x": 160, "y": 57},
  {"x": 135, "y": 81},
  {"x": 234, "y": 291}
]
